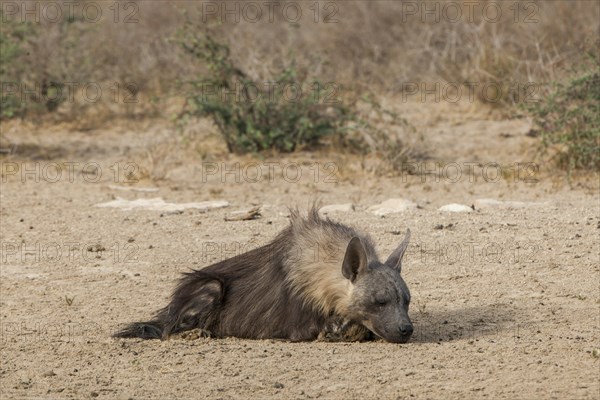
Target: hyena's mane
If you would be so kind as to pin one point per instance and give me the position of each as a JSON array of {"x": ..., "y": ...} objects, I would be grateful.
[{"x": 317, "y": 246}]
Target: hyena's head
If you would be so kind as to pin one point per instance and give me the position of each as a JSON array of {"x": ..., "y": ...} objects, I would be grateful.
[{"x": 380, "y": 297}]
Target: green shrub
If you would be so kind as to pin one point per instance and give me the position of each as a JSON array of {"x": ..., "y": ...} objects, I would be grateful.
[
  {"x": 569, "y": 117},
  {"x": 289, "y": 112},
  {"x": 21, "y": 68},
  {"x": 13, "y": 39}
]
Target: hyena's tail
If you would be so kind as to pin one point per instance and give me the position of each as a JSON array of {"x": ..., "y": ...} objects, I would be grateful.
[
  {"x": 144, "y": 330},
  {"x": 194, "y": 304}
]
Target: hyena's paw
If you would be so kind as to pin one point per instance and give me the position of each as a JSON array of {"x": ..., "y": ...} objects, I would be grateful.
[
  {"x": 357, "y": 333},
  {"x": 344, "y": 332},
  {"x": 195, "y": 334}
]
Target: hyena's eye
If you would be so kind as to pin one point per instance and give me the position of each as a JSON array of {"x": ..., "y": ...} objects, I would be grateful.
[{"x": 381, "y": 301}]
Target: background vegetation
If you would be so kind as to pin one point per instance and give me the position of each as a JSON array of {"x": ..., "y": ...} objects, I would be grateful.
[
  {"x": 363, "y": 47},
  {"x": 569, "y": 116}
]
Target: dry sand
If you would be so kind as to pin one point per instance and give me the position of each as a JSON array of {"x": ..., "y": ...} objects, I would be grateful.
[{"x": 505, "y": 299}]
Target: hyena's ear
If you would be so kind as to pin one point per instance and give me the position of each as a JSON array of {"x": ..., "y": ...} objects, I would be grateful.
[
  {"x": 355, "y": 260},
  {"x": 395, "y": 259}
]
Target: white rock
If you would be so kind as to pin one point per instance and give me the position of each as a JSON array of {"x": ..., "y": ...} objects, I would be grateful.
[
  {"x": 346, "y": 207},
  {"x": 392, "y": 206},
  {"x": 492, "y": 203},
  {"x": 134, "y": 189},
  {"x": 455, "y": 208},
  {"x": 158, "y": 204}
]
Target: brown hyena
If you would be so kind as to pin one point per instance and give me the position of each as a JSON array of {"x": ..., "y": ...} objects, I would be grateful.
[{"x": 317, "y": 279}]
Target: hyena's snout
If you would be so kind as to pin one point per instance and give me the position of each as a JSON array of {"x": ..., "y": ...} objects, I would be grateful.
[{"x": 406, "y": 331}]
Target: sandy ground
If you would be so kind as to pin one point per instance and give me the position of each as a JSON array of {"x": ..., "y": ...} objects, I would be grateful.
[{"x": 505, "y": 299}]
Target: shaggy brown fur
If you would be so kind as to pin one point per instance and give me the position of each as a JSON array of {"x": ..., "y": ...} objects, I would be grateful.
[{"x": 316, "y": 279}]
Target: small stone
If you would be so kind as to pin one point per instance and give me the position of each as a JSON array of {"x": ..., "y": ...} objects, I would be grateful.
[
  {"x": 94, "y": 394},
  {"x": 48, "y": 374},
  {"x": 244, "y": 215},
  {"x": 455, "y": 208},
  {"x": 392, "y": 206},
  {"x": 278, "y": 385}
]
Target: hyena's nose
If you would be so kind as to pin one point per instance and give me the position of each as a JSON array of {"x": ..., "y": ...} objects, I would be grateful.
[{"x": 406, "y": 330}]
